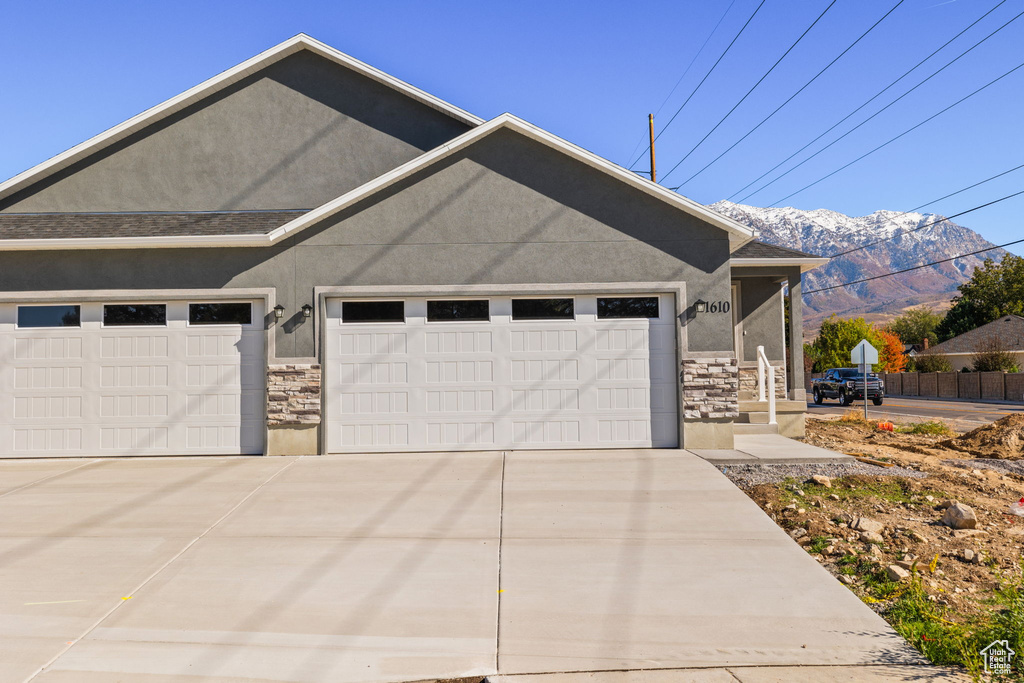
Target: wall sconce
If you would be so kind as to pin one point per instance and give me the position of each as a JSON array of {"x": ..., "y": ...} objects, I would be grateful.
[
  {"x": 278, "y": 312},
  {"x": 700, "y": 306},
  {"x": 307, "y": 311}
]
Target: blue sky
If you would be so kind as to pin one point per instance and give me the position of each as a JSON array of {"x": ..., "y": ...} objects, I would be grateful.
[{"x": 588, "y": 71}]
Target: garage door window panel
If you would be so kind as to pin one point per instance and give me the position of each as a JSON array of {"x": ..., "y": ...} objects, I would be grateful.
[
  {"x": 49, "y": 316},
  {"x": 140, "y": 315},
  {"x": 220, "y": 313},
  {"x": 628, "y": 307},
  {"x": 373, "y": 312},
  {"x": 543, "y": 309},
  {"x": 456, "y": 310}
]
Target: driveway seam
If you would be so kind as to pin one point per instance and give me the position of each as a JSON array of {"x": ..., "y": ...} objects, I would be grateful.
[
  {"x": 48, "y": 477},
  {"x": 501, "y": 522},
  {"x": 160, "y": 569}
]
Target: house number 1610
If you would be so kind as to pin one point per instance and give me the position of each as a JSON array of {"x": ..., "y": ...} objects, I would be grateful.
[{"x": 719, "y": 307}]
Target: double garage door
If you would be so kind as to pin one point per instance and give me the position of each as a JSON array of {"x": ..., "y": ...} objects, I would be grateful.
[
  {"x": 421, "y": 374},
  {"x": 131, "y": 378}
]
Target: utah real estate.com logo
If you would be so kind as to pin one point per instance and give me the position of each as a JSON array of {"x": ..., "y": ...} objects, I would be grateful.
[{"x": 998, "y": 657}]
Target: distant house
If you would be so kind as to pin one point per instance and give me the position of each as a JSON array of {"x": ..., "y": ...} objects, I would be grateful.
[{"x": 1006, "y": 332}]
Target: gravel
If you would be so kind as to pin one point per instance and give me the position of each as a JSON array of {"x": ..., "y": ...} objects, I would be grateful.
[
  {"x": 752, "y": 475},
  {"x": 1007, "y": 466}
]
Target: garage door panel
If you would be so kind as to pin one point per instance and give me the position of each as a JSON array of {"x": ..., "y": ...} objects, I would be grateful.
[
  {"x": 501, "y": 383},
  {"x": 130, "y": 390}
]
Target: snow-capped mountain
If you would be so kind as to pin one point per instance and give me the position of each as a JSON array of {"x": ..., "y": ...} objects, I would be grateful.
[{"x": 828, "y": 233}]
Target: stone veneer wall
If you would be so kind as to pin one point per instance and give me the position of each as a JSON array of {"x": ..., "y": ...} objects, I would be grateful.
[
  {"x": 293, "y": 394},
  {"x": 748, "y": 382},
  {"x": 710, "y": 388}
]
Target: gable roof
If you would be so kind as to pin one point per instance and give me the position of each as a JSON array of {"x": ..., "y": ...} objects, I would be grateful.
[
  {"x": 737, "y": 232},
  {"x": 214, "y": 85},
  {"x": 1007, "y": 330}
]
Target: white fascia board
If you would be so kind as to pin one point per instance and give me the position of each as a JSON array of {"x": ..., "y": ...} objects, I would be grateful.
[
  {"x": 806, "y": 264},
  {"x": 215, "y": 84},
  {"x": 734, "y": 229}
]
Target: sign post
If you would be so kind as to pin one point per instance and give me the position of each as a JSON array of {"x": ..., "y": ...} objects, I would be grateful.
[{"x": 864, "y": 355}]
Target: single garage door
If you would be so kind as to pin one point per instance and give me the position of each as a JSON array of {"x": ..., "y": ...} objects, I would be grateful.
[
  {"x": 501, "y": 372},
  {"x": 131, "y": 378}
]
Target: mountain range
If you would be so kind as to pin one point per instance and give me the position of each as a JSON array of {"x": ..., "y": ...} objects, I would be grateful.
[{"x": 900, "y": 245}]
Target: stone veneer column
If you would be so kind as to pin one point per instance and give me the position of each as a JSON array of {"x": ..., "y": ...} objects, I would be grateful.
[
  {"x": 293, "y": 409},
  {"x": 710, "y": 401}
]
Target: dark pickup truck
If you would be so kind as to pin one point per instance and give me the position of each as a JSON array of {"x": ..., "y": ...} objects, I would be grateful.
[{"x": 847, "y": 384}]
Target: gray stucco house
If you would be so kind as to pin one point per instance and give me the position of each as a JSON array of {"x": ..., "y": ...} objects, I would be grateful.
[{"x": 306, "y": 255}]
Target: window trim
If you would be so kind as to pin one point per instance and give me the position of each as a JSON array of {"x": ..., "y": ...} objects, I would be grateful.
[
  {"x": 514, "y": 319},
  {"x": 188, "y": 314},
  {"x": 103, "y": 314},
  {"x": 488, "y": 319},
  {"x": 18, "y": 308}
]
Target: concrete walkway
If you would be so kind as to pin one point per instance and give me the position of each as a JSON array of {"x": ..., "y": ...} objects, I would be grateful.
[
  {"x": 406, "y": 567},
  {"x": 771, "y": 449}
]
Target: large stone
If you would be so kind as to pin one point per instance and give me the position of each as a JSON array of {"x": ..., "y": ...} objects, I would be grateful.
[
  {"x": 895, "y": 573},
  {"x": 871, "y": 537},
  {"x": 960, "y": 516},
  {"x": 869, "y": 525},
  {"x": 822, "y": 480}
]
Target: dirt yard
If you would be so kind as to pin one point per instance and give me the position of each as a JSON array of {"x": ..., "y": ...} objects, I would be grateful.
[{"x": 959, "y": 568}]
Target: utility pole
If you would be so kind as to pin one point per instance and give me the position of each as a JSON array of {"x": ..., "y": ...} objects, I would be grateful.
[{"x": 654, "y": 171}]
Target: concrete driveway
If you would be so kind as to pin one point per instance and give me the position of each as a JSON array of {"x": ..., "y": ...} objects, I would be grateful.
[{"x": 405, "y": 567}]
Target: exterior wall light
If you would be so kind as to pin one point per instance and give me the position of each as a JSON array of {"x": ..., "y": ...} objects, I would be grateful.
[
  {"x": 278, "y": 312},
  {"x": 700, "y": 306},
  {"x": 307, "y": 311}
]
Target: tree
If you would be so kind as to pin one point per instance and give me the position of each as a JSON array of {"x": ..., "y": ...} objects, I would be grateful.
[
  {"x": 890, "y": 354},
  {"x": 994, "y": 290},
  {"x": 835, "y": 341},
  {"x": 916, "y": 325}
]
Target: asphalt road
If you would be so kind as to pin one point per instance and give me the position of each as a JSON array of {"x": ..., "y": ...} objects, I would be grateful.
[{"x": 915, "y": 409}]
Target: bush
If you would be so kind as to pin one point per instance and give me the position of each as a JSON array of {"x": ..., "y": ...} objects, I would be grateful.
[
  {"x": 993, "y": 357},
  {"x": 931, "y": 362}
]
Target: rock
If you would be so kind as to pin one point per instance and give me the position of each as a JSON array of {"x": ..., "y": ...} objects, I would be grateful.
[
  {"x": 833, "y": 496},
  {"x": 821, "y": 480},
  {"x": 848, "y": 580},
  {"x": 967, "y": 533},
  {"x": 930, "y": 499},
  {"x": 800, "y": 492},
  {"x": 960, "y": 516},
  {"x": 945, "y": 504},
  {"x": 913, "y": 535},
  {"x": 800, "y": 511},
  {"x": 849, "y": 552},
  {"x": 791, "y": 506},
  {"x": 871, "y": 537},
  {"x": 830, "y": 550},
  {"x": 967, "y": 554},
  {"x": 816, "y": 503},
  {"x": 845, "y": 518},
  {"x": 868, "y": 524},
  {"x": 875, "y": 552},
  {"x": 799, "y": 532},
  {"x": 977, "y": 558},
  {"x": 895, "y": 573}
]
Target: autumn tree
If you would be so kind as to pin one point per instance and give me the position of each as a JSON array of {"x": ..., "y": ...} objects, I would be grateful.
[{"x": 838, "y": 336}]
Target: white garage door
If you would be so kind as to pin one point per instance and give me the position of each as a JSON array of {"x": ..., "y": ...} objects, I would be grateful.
[
  {"x": 501, "y": 372},
  {"x": 129, "y": 378}
]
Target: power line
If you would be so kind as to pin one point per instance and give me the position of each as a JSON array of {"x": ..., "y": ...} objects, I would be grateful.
[
  {"x": 686, "y": 71},
  {"x": 907, "y": 270},
  {"x": 766, "y": 73},
  {"x": 928, "y": 78},
  {"x": 720, "y": 58},
  {"x": 897, "y": 137},
  {"x": 926, "y": 225},
  {"x": 866, "y": 103},
  {"x": 790, "y": 99}
]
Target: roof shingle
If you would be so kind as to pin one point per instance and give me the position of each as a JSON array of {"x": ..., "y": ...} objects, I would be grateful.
[
  {"x": 14, "y": 226},
  {"x": 755, "y": 249}
]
